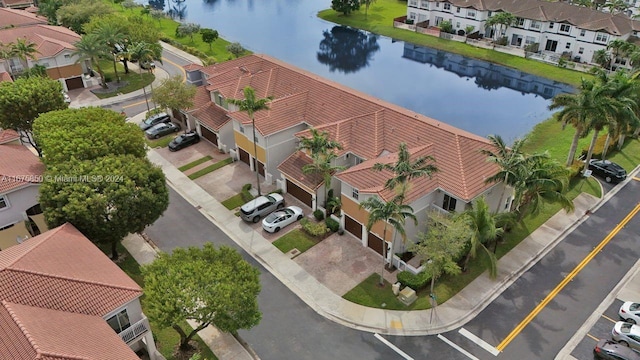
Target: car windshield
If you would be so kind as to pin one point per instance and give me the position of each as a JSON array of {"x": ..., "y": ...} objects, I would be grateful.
[
  {"x": 626, "y": 327},
  {"x": 180, "y": 139},
  {"x": 273, "y": 216},
  {"x": 634, "y": 307}
]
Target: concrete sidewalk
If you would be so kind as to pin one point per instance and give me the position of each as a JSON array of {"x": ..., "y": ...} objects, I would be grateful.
[{"x": 454, "y": 313}]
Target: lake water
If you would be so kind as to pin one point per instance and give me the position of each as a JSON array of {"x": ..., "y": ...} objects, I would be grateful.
[{"x": 477, "y": 96}]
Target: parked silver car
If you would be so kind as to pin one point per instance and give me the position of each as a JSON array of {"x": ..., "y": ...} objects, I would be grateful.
[
  {"x": 281, "y": 218},
  {"x": 261, "y": 206},
  {"x": 627, "y": 334},
  {"x": 630, "y": 312}
]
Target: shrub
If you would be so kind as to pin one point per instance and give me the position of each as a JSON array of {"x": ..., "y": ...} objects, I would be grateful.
[
  {"x": 318, "y": 214},
  {"x": 416, "y": 282},
  {"x": 313, "y": 229},
  {"x": 246, "y": 195},
  {"x": 332, "y": 224},
  {"x": 503, "y": 41}
]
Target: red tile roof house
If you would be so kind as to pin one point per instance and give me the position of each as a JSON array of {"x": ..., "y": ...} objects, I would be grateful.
[
  {"x": 369, "y": 129},
  {"x": 54, "y": 308},
  {"x": 20, "y": 176},
  {"x": 16, "y": 4},
  {"x": 54, "y": 44}
]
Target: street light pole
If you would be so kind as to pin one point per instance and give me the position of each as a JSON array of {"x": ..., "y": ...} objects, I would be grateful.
[{"x": 255, "y": 153}]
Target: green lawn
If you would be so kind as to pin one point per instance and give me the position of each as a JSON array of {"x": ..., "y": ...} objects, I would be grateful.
[
  {"x": 135, "y": 80},
  {"x": 233, "y": 202},
  {"x": 166, "y": 338},
  {"x": 167, "y": 27},
  {"x": 380, "y": 21},
  {"x": 295, "y": 239},
  {"x": 193, "y": 164},
  {"x": 369, "y": 293},
  {"x": 210, "y": 168}
]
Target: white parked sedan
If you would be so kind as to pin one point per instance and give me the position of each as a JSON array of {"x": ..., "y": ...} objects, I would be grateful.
[
  {"x": 630, "y": 312},
  {"x": 627, "y": 334},
  {"x": 281, "y": 218}
]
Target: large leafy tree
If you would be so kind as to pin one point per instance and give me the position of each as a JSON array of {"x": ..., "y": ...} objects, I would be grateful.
[
  {"x": 322, "y": 151},
  {"x": 209, "y": 36},
  {"x": 26, "y": 98},
  {"x": 85, "y": 134},
  {"x": 105, "y": 198},
  {"x": 173, "y": 93},
  {"x": 442, "y": 245},
  {"x": 251, "y": 105},
  {"x": 484, "y": 231},
  {"x": 89, "y": 47},
  {"x": 206, "y": 285},
  {"x": 345, "y": 6},
  {"x": 77, "y": 13},
  {"x": 392, "y": 213}
]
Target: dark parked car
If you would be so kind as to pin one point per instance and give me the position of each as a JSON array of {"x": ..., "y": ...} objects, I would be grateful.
[
  {"x": 610, "y": 171},
  {"x": 154, "y": 120},
  {"x": 161, "y": 130},
  {"x": 184, "y": 140},
  {"x": 611, "y": 350}
]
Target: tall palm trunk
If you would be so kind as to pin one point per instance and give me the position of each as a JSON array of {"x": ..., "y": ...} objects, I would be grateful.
[
  {"x": 606, "y": 146},
  {"x": 591, "y": 147},
  {"x": 384, "y": 253},
  {"x": 574, "y": 146}
]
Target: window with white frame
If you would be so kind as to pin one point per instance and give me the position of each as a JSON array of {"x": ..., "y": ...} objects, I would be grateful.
[
  {"x": 519, "y": 22},
  {"x": 602, "y": 38},
  {"x": 583, "y": 32},
  {"x": 67, "y": 56},
  {"x": 581, "y": 50},
  {"x": 458, "y": 9},
  {"x": 413, "y": 3},
  {"x": 437, "y": 4},
  {"x": 535, "y": 25},
  {"x": 449, "y": 203},
  {"x": 412, "y": 16},
  {"x": 355, "y": 193},
  {"x": 424, "y": 4},
  {"x": 471, "y": 13},
  {"x": 4, "y": 203},
  {"x": 568, "y": 46},
  {"x": 447, "y": 6},
  {"x": 242, "y": 129},
  {"x": 458, "y": 25},
  {"x": 551, "y": 25},
  {"x": 119, "y": 322},
  {"x": 565, "y": 28}
]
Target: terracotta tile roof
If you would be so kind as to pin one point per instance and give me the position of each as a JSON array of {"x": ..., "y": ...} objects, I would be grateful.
[
  {"x": 364, "y": 125},
  {"x": 38, "y": 273},
  {"x": 283, "y": 113},
  {"x": 18, "y": 167},
  {"x": 19, "y": 18},
  {"x": 582, "y": 17},
  {"x": 292, "y": 167},
  {"x": 5, "y": 76},
  {"x": 9, "y": 3},
  {"x": 208, "y": 113},
  {"x": 31, "y": 333},
  {"x": 192, "y": 66},
  {"x": 32, "y": 9},
  {"x": 49, "y": 40},
  {"x": 8, "y": 135}
]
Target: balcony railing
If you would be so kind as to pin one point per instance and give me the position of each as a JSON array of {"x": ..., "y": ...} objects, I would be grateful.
[{"x": 134, "y": 331}]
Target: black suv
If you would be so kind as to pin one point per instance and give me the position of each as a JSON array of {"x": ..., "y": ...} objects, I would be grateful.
[
  {"x": 610, "y": 171},
  {"x": 611, "y": 350},
  {"x": 155, "y": 120}
]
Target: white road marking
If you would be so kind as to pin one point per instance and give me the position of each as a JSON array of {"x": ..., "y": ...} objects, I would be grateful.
[
  {"x": 483, "y": 344},
  {"x": 453, "y": 345},
  {"x": 393, "y": 347}
]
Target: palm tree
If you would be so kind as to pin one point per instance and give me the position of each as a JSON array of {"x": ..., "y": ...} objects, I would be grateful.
[
  {"x": 322, "y": 164},
  {"x": 112, "y": 36},
  {"x": 545, "y": 181},
  {"x": 143, "y": 52},
  {"x": 404, "y": 170},
  {"x": 251, "y": 105},
  {"x": 318, "y": 143},
  {"x": 503, "y": 19},
  {"x": 620, "y": 48},
  {"x": 482, "y": 224},
  {"x": 627, "y": 91},
  {"x": 89, "y": 47},
  {"x": 510, "y": 162},
  {"x": 391, "y": 213},
  {"x": 602, "y": 58},
  {"x": 23, "y": 50},
  {"x": 582, "y": 110}
]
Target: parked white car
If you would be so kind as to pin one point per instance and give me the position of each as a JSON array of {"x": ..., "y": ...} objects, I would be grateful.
[
  {"x": 627, "y": 334},
  {"x": 630, "y": 312},
  {"x": 281, "y": 218}
]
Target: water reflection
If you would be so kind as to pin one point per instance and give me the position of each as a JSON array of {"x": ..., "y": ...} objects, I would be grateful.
[
  {"x": 488, "y": 76},
  {"x": 157, "y": 4},
  {"x": 347, "y": 50},
  {"x": 178, "y": 10}
]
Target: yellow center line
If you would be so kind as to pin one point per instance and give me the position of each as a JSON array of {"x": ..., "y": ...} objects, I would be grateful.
[
  {"x": 184, "y": 73},
  {"x": 566, "y": 280},
  {"x": 636, "y": 178}
]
